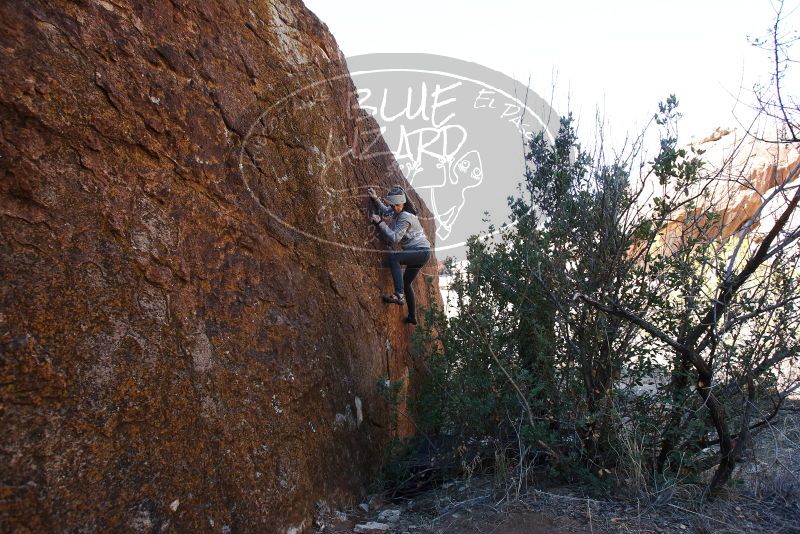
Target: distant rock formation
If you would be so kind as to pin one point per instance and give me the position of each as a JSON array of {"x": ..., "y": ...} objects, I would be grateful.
[
  {"x": 190, "y": 330},
  {"x": 741, "y": 170}
]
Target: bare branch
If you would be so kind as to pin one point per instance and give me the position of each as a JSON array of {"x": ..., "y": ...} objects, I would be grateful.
[{"x": 645, "y": 325}]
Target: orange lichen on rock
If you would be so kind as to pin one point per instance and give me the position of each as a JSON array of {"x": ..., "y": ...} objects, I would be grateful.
[{"x": 178, "y": 323}]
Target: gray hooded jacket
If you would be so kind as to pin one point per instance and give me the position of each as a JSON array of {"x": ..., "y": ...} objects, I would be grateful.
[{"x": 405, "y": 228}]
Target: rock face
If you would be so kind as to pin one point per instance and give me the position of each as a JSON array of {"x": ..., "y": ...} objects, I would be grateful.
[
  {"x": 743, "y": 171},
  {"x": 190, "y": 328}
]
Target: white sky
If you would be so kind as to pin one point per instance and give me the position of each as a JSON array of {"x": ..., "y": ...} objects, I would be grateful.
[{"x": 619, "y": 56}]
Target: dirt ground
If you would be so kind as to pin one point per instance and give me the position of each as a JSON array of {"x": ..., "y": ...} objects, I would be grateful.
[
  {"x": 513, "y": 523},
  {"x": 466, "y": 520},
  {"x": 763, "y": 497}
]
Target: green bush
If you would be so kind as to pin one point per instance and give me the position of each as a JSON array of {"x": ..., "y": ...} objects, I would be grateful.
[{"x": 581, "y": 300}]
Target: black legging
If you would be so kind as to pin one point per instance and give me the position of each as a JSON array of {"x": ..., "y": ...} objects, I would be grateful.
[{"x": 414, "y": 259}]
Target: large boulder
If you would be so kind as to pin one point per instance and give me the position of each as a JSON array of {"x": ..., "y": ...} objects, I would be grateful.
[{"x": 190, "y": 331}]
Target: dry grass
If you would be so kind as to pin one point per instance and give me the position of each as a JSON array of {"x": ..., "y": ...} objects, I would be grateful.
[{"x": 763, "y": 497}]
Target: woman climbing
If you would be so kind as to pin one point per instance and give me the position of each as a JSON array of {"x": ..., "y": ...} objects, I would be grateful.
[{"x": 405, "y": 229}]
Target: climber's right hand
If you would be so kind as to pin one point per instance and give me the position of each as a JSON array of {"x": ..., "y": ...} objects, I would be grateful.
[{"x": 371, "y": 193}]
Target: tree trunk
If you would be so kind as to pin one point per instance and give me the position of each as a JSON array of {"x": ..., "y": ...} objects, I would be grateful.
[{"x": 726, "y": 450}]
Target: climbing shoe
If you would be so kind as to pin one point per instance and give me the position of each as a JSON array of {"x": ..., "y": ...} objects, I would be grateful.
[
  {"x": 410, "y": 320},
  {"x": 397, "y": 298}
]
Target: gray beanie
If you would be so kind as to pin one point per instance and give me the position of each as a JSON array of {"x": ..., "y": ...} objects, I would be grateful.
[{"x": 396, "y": 195}]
